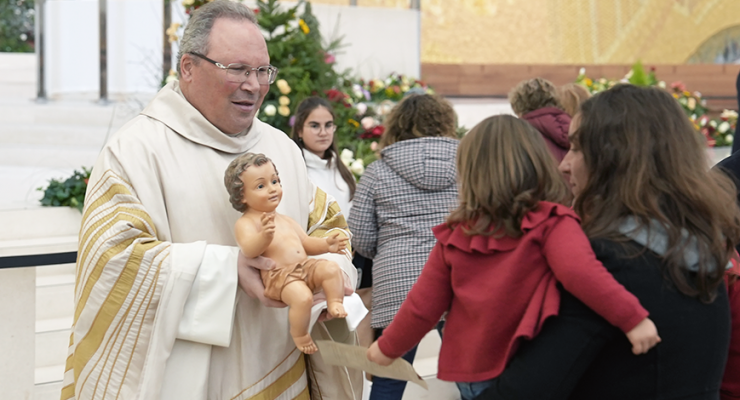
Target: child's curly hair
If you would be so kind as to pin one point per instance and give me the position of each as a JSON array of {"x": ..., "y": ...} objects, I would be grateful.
[
  {"x": 533, "y": 94},
  {"x": 419, "y": 115}
]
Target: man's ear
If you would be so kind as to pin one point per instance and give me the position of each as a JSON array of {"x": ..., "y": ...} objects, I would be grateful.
[{"x": 186, "y": 67}]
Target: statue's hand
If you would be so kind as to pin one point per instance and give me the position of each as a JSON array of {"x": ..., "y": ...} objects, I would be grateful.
[
  {"x": 336, "y": 244},
  {"x": 250, "y": 280}
]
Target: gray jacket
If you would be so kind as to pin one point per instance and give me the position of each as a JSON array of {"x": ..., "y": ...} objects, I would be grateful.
[{"x": 411, "y": 189}]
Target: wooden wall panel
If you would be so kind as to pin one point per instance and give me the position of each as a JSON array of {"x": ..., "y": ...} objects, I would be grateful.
[{"x": 716, "y": 82}]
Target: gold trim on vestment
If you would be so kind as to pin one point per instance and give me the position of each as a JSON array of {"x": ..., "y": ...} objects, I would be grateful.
[{"x": 275, "y": 389}]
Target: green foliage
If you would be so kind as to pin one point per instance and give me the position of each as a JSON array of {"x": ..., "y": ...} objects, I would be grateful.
[
  {"x": 67, "y": 193},
  {"x": 16, "y": 25},
  {"x": 295, "y": 47}
]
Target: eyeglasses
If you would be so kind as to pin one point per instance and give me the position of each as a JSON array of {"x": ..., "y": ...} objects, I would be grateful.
[
  {"x": 315, "y": 127},
  {"x": 238, "y": 73}
]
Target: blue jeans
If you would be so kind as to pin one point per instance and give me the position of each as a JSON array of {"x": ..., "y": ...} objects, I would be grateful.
[
  {"x": 390, "y": 389},
  {"x": 470, "y": 390}
]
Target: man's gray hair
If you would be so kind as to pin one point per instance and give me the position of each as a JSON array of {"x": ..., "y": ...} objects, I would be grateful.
[{"x": 198, "y": 29}]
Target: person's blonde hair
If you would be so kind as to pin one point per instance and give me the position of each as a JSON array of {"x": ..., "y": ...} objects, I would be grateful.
[
  {"x": 533, "y": 94},
  {"x": 416, "y": 116},
  {"x": 504, "y": 170},
  {"x": 571, "y": 95}
]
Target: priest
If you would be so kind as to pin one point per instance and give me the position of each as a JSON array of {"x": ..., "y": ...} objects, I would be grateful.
[{"x": 165, "y": 307}]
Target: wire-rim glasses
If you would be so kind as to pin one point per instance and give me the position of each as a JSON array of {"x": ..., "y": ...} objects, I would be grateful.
[{"x": 238, "y": 73}]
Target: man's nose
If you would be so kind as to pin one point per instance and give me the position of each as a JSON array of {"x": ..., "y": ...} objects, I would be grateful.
[{"x": 251, "y": 84}]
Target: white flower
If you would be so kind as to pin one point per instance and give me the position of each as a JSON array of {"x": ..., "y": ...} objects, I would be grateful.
[
  {"x": 357, "y": 167},
  {"x": 661, "y": 84},
  {"x": 723, "y": 127},
  {"x": 347, "y": 156},
  {"x": 361, "y": 109},
  {"x": 692, "y": 103},
  {"x": 367, "y": 123},
  {"x": 713, "y": 124},
  {"x": 728, "y": 114},
  {"x": 729, "y": 139},
  {"x": 582, "y": 71},
  {"x": 357, "y": 91},
  {"x": 270, "y": 110}
]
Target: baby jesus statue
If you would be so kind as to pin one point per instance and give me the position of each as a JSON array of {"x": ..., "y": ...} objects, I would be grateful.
[{"x": 255, "y": 190}]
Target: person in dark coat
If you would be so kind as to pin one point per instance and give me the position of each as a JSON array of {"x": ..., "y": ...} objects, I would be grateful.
[
  {"x": 536, "y": 101},
  {"x": 667, "y": 233}
]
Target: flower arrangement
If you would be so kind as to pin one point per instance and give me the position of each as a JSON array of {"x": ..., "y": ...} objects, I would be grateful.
[
  {"x": 67, "y": 193},
  {"x": 717, "y": 131}
]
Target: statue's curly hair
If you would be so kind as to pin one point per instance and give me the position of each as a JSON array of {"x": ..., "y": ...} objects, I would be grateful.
[{"x": 233, "y": 180}]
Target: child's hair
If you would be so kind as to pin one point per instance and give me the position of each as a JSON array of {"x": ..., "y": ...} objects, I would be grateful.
[
  {"x": 419, "y": 115},
  {"x": 304, "y": 109},
  {"x": 233, "y": 180},
  {"x": 533, "y": 94},
  {"x": 571, "y": 95},
  {"x": 504, "y": 170}
]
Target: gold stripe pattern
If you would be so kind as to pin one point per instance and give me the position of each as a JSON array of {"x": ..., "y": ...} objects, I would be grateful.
[
  {"x": 283, "y": 383},
  {"x": 117, "y": 248}
]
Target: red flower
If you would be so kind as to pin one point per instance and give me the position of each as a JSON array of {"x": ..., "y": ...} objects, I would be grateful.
[
  {"x": 86, "y": 181},
  {"x": 256, "y": 11},
  {"x": 374, "y": 133},
  {"x": 337, "y": 96}
]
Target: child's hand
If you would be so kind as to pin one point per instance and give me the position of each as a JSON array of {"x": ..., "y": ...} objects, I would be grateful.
[
  {"x": 336, "y": 244},
  {"x": 644, "y": 336},
  {"x": 268, "y": 224},
  {"x": 375, "y": 355}
]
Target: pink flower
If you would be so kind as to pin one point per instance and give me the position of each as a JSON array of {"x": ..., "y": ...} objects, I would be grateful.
[{"x": 329, "y": 58}]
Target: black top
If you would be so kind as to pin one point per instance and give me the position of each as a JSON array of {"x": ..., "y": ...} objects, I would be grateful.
[{"x": 578, "y": 355}]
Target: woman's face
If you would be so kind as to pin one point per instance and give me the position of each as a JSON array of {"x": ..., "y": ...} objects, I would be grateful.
[
  {"x": 317, "y": 131},
  {"x": 573, "y": 165}
]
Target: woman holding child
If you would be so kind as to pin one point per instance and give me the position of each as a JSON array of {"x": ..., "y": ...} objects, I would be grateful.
[{"x": 665, "y": 226}]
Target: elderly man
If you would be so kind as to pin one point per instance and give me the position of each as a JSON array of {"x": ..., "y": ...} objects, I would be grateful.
[{"x": 157, "y": 311}]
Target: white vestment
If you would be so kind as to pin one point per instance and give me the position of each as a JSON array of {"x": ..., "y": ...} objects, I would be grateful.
[{"x": 158, "y": 314}]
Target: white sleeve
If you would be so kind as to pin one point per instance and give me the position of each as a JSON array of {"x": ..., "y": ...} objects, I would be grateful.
[{"x": 208, "y": 313}]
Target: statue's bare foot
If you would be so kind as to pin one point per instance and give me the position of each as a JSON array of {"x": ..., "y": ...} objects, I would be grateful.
[
  {"x": 305, "y": 344},
  {"x": 336, "y": 309}
]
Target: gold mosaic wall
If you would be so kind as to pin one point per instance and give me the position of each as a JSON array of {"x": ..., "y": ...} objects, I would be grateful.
[{"x": 565, "y": 31}]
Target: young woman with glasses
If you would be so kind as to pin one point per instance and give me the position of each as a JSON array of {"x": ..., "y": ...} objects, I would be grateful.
[{"x": 313, "y": 131}]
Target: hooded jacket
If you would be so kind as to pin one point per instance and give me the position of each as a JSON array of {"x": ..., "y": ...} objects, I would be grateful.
[
  {"x": 398, "y": 200},
  {"x": 553, "y": 124}
]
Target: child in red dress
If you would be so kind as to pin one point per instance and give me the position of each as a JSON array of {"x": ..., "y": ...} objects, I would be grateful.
[{"x": 498, "y": 260}]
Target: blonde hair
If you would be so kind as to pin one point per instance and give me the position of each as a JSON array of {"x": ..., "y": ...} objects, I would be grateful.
[
  {"x": 571, "y": 95},
  {"x": 419, "y": 115},
  {"x": 533, "y": 94},
  {"x": 504, "y": 170}
]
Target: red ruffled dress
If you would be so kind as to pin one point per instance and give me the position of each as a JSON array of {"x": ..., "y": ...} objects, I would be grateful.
[{"x": 499, "y": 291}]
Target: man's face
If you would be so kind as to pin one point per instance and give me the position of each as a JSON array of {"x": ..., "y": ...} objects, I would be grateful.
[
  {"x": 230, "y": 106},
  {"x": 262, "y": 189}
]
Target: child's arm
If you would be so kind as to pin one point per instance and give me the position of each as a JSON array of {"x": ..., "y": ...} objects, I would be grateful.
[
  {"x": 253, "y": 240},
  {"x": 314, "y": 246},
  {"x": 428, "y": 299},
  {"x": 571, "y": 259}
]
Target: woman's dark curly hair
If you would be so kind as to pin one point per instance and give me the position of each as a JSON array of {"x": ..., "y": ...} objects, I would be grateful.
[{"x": 419, "y": 115}]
